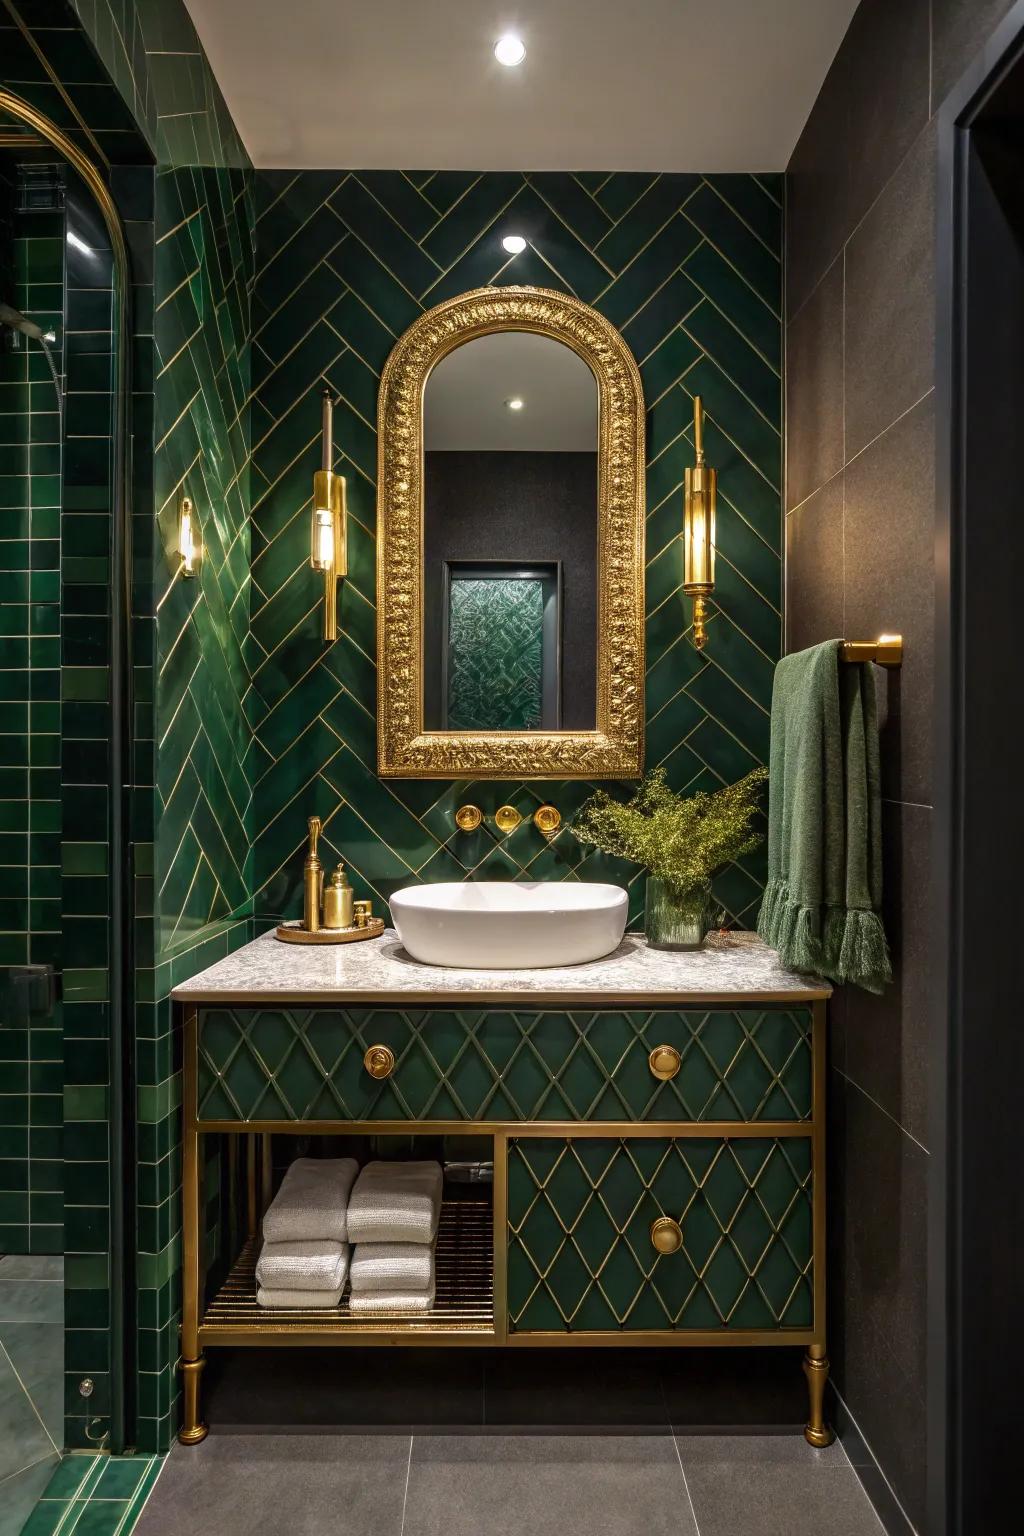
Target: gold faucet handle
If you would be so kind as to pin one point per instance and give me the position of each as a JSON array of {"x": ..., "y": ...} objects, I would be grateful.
[
  {"x": 547, "y": 819},
  {"x": 315, "y": 826}
]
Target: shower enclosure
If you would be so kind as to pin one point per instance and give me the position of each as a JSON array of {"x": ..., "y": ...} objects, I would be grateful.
[{"x": 66, "y": 1167}]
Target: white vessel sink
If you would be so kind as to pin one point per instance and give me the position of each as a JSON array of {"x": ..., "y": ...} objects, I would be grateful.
[{"x": 506, "y": 925}]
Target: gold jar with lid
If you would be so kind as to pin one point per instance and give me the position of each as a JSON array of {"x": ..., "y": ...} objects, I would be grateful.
[{"x": 338, "y": 898}]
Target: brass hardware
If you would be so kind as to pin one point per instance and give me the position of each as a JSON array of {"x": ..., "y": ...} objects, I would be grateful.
[
  {"x": 615, "y": 749},
  {"x": 338, "y": 900},
  {"x": 666, "y": 1235},
  {"x": 379, "y": 1061},
  {"x": 189, "y": 545},
  {"x": 699, "y": 497},
  {"x": 547, "y": 819},
  {"x": 816, "y": 1368},
  {"x": 886, "y": 651},
  {"x": 329, "y": 534},
  {"x": 312, "y": 879},
  {"x": 506, "y": 819},
  {"x": 362, "y": 913},
  {"x": 664, "y": 1061},
  {"x": 468, "y": 818}
]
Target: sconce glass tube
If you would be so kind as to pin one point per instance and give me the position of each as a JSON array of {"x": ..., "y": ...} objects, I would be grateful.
[
  {"x": 328, "y": 551},
  {"x": 700, "y": 493},
  {"x": 188, "y": 537}
]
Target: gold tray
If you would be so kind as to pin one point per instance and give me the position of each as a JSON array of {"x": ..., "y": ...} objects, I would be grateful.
[{"x": 291, "y": 934}]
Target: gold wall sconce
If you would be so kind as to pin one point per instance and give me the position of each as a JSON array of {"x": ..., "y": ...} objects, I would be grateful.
[
  {"x": 328, "y": 547},
  {"x": 189, "y": 545},
  {"x": 700, "y": 493}
]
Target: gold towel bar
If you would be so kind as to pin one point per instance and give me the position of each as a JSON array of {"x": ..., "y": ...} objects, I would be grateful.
[{"x": 887, "y": 650}]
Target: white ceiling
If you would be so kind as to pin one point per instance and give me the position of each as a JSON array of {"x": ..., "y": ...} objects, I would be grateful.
[
  {"x": 650, "y": 85},
  {"x": 464, "y": 401}
]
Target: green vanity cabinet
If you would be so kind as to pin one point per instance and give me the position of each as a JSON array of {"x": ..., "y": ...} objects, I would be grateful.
[
  {"x": 583, "y": 1216},
  {"x": 655, "y": 1126},
  {"x": 486, "y": 1065}
]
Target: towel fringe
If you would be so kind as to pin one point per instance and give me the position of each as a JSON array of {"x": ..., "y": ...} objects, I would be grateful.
[{"x": 853, "y": 946}]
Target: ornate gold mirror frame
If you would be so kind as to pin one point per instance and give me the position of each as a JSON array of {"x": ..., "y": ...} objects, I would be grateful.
[{"x": 614, "y": 750}]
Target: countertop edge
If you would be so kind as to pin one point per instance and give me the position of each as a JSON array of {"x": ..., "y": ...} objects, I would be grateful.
[{"x": 480, "y": 999}]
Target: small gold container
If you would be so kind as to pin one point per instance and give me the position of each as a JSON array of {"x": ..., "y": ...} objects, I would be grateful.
[
  {"x": 338, "y": 900},
  {"x": 362, "y": 912}
]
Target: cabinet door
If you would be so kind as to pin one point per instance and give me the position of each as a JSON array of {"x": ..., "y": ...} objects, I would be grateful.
[{"x": 582, "y": 1256}]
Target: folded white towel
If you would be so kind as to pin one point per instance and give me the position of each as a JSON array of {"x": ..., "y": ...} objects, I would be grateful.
[
  {"x": 303, "y": 1300},
  {"x": 392, "y": 1267},
  {"x": 395, "y": 1203},
  {"x": 365, "y": 1303},
  {"x": 309, "y": 1266},
  {"x": 312, "y": 1201}
]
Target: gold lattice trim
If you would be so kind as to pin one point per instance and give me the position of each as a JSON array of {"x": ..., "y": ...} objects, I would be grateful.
[{"x": 615, "y": 748}]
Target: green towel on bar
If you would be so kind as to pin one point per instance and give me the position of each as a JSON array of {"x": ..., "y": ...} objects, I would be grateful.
[{"x": 820, "y": 908}]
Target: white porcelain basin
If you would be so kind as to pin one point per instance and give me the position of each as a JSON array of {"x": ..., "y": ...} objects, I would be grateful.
[{"x": 506, "y": 925}]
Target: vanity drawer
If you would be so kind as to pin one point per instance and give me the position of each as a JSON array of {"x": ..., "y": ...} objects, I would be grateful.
[
  {"x": 587, "y": 1217},
  {"x": 298, "y": 1064}
]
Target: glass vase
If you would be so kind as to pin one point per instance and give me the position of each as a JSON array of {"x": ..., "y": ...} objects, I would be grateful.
[{"x": 673, "y": 922}]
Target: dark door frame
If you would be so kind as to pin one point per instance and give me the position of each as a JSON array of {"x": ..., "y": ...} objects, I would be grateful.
[{"x": 976, "y": 1237}]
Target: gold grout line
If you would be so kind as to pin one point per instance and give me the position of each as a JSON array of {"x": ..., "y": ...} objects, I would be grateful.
[
  {"x": 775, "y": 314},
  {"x": 741, "y": 219},
  {"x": 388, "y": 214},
  {"x": 449, "y": 211}
]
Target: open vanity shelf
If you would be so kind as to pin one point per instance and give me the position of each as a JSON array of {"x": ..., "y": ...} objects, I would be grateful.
[
  {"x": 464, "y": 1306},
  {"x": 655, "y": 1123}
]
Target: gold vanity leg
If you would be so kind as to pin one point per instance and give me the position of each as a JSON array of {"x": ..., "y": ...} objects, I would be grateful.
[
  {"x": 816, "y": 1368},
  {"x": 816, "y": 1362},
  {"x": 192, "y": 1428}
]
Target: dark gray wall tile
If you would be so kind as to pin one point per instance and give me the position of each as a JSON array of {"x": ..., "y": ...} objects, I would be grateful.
[
  {"x": 890, "y": 585},
  {"x": 960, "y": 28},
  {"x": 817, "y": 201},
  {"x": 890, "y": 301},
  {"x": 814, "y": 388},
  {"x": 886, "y": 51},
  {"x": 814, "y": 568},
  {"x": 881, "y": 1366},
  {"x": 886, "y": 1038}
]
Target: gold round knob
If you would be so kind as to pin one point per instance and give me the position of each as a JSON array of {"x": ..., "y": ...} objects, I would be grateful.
[
  {"x": 507, "y": 818},
  {"x": 664, "y": 1061},
  {"x": 666, "y": 1235},
  {"x": 468, "y": 818},
  {"x": 547, "y": 819},
  {"x": 379, "y": 1061}
]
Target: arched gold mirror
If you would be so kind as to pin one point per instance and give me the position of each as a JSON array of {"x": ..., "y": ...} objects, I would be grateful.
[{"x": 510, "y": 553}]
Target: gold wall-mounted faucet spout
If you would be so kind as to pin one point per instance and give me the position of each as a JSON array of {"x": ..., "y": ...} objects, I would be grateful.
[{"x": 312, "y": 879}]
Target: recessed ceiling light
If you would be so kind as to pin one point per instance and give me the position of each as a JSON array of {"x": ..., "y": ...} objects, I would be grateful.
[
  {"x": 515, "y": 404},
  {"x": 514, "y": 244},
  {"x": 510, "y": 50}
]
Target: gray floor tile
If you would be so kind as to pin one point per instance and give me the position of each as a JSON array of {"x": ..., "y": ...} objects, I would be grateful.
[
  {"x": 32, "y": 1266},
  {"x": 23, "y": 1440},
  {"x": 31, "y": 1301},
  {"x": 546, "y": 1485},
  {"x": 19, "y": 1494},
  {"x": 37, "y": 1354},
  {"x": 782, "y": 1450},
  {"x": 733, "y": 1498},
  {"x": 263, "y": 1485}
]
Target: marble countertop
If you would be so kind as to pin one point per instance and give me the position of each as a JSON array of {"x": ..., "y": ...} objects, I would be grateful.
[{"x": 379, "y": 971}]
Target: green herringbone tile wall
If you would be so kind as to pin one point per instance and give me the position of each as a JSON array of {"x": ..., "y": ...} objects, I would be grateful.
[{"x": 689, "y": 268}]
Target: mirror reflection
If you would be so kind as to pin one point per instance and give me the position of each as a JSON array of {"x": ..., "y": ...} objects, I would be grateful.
[{"x": 510, "y": 435}]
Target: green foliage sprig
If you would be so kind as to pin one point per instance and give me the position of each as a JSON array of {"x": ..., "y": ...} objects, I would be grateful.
[{"x": 682, "y": 841}]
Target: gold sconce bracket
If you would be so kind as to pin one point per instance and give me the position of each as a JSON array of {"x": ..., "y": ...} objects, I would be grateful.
[
  {"x": 468, "y": 818},
  {"x": 699, "y": 501},
  {"x": 506, "y": 819},
  {"x": 547, "y": 819}
]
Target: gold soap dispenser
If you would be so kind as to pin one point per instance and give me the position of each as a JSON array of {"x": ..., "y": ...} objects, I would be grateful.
[
  {"x": 338, "y": 898},
  {"x": 312, "y": 879}
]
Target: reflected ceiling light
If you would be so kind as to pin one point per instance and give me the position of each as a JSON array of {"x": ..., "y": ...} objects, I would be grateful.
[
  {"x": 515, "y": 404},
  {"x": 78, "y": 244},
  {"x": 514, "y": 244},
  {"x": 510, "y": 50}
]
